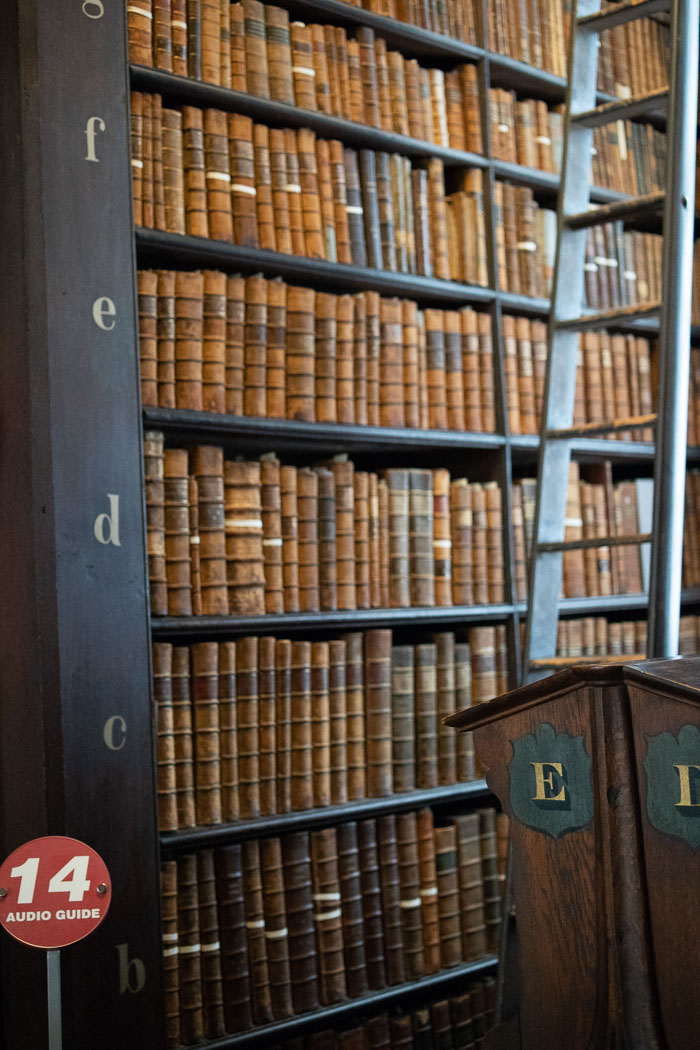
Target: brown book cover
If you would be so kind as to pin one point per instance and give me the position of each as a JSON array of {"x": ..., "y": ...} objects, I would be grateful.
[
  {"x": 411, "y": 901},
  {"x": 228, "y": 737},
  {"x": 490, "y": 877},
  {"x": 461, "y": 537},
  {"x": 471, "y": 370},
  {"x": 343, "y": 242},
  {"x": 276, "y": 932},
  {"x": 399, "y": 549},
  {"x": 319, "y": 64},
  {"x": 307, "y": 504},
  {"x": 463, "y": 699},
  {"x": 190, "y": 955},
  {"x": 242, "y": 168},
  {"x": 371, "y": 903},
  {"x": 267, "y": 716},
  {"x": 343, "y": 472},
  {"x": 442, "y": 538},
  {"x": 218, "y": 176},
  {"x": 391, "y": 899},
  {"x": 255, "y": 926},
  {"x": 205, "y": 696},
  {"x": 214, "y": 341},
  {"x": 448, "y": 895},
  {"x": 244, "y": 537},
  {"x": 378, "y": 712},
  {"x": 411, "y": 364},
  {"x": 189, "y": 331},
  {"x": 212, "y": 987},
  {"x": 271, "y": 504},
  {"x": 391, "y": 392},
  {"x": 301, "y": 733},
  {"x": 442, "y": 1025},
  {"x": 373, "y": 354},
  {"x": 176, "y": 527},
  {"x": 320, "y": 723},
  {"x": 354, "y": 208},
  {"x": 325, "y": 190},
  {"x": 238, "y": 47},
  {"x": 437, "y": 376},
  {"x": 314, "y": 244},
  {"x": 494, "y": 542},
  {"x": 140, "y": 23},
  {"x": 296, "y": 853},
  {"x": 354, "y": 102},
  {"x": 426, "y": 716},
  {"x": 166, "y": 776},
  {"x": 283, "y": 724},
  {"x": 352, "y": 917},
  {"x": 248, "y": 727},
  {"x": 171, "y": 983},
  {"x": 153, "y": 457},
  {"x": 361, "y": 527},
  {"x": 195, "y": 558},
  {"x": 173, "y": 172},
  {"x": 327, "y": 547},
  {"x": 328, "y": 916},
  {"x": 428, "y": 890},
  {"x": 446, "y": 705},
  {"x": 178, "y": 26},
  {"x": 470, "y": 886},
  {"x": 279, "y": 54},
  {"x": 303, "y": 69},
  {"x": 137, "y": 153},
  {"x": 300, "y": 353},
  {"x": 280, "y": 194},
  {"x": 479, "y": 544},
  {"x": 421, "y": 537},
  {"x": 325, "y": 356},
  {"x": 403, "y": 718},
  {"x": 264, "y": 192},
  {"x": 338, "y": 721},
  {"x": 182, "y": 730},
  {"x": 194, "y": 39},
  {"x": 257, "y": 71},
  {"x": 368, "y": 66},
  {"x": 401, "y": 1029},
  {"x": 235, "y": 344},
  {"x": 421, "y": 224},
  {"x": 355, "y": 705},
  {"x": 255, "y": 346},
  {"x": 290, "y": 539},
  {"x": 438, "y": 218},
  {"x": 196, "y": 216},
  {"x": 234, "y": 948},
  {"x": 370, "y": 208}
]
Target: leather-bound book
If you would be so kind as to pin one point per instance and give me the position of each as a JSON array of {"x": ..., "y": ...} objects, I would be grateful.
[
  {"x": 314, "y": 245},
  {"x": 414, "y": 105},
  {"x": 267, "y": 733},
  {"x": 328, "y": 916},
  {"x": 397, "y": 87},
  {"x": 136, "y": 130},
  {"x": 378, "y": 712},
  {"x": 196, "y": 216},
  {"x": 195, "y": 553},
  {"x": 482, "y": 641},
  {"x": 403, "y": 718},
  {"x": 370, "y": 91},
  {"x": 354, "y": 208},
  {"x": 378, "y": 1033},
  {"x": 442, "y": 539},
  {"x": 153, "y": 458},
  {"x": 171, "y": 983},
  {"x": 212, "y": 990},
  {"x": 340, "y": 202},
  {"x": 189, "y": 955},
  {"x": 218, "y": 178},
  {"x": 325, "y": 189},
  {"x": 341, "y": 47},
  {"x": 336, "y": 96},
  {"x": 182, "y": 730},
  {"x": 327, "y": 547},
  {"x": 296, "y": 856},
  {"x": 255, "y": 926},
  {"x": 205, "y": 696},
  {"x": 439, "y": 107},
  {"x": 355, "y": 707},
  {"x": 234, "y": 948},
  {"x": 423, "y": 406},
  {"x": 354, "y": 101},
  {"x": 417, "y": 199},
  {"x": 325, "y": 356},
  {"x": 248, "y": 727},
  {"x": 242, "y": 167},
  {"x": 371, "y": 903},
  {"x": 255, "y": 351},
  {"x": 491, "y": 882},
  {"x": 411, "y": 901},
  {"x": 280, "y": 194},
  {"x": 456, "y": 110},
  {"x": 290, "y": 538},
  {"x": 238, "y": 47},
  {"x": 140, "y": 23},
  {"x": 320, "y": 723},
  {"x": 373, "y": 352},
  {"x": 437, "y": 389},
  {"x": 194, "y": 39},
  {"x": 510, "y": 349},
  {"x": 494, "y": 541},
  {"x": 224, "y": 42},
  {"x": 235, "y": 344},
  {"x": 178, "y": 36},
  {"x": 391, "y": 396},
  {"x": 428, "y": 890},
  {"x": 488, "y": 401},
  {"x": 207, "y": 466},
  {"x": 307, "y": 504},
  {"x": 462, "y": 1022},
  {"x": 352, "y": 1039},
  {"x": 257, "y": 71},
  {"x": 345, "y": 348},
  {"x": 422, "y": 561},
  {"x": 442, "y": 1025},
  {"x": 411, "y": 369},
  {"x": 214, "y": 342},
  {"x": 294, "y": 192},
  {"x": 448, "y": 895},
  {"x": 228, "y": 739},
  {"x": 370, "y": 205},
  {"x": 438, "y": 218},
  {"x": 166, "y": 782},
  {"x": 453, "y": 370},
  {"x": 302, "y": 66},
  {"x": 470, "y": 886},
  {"x": 463, "y": 700},
  {"x": 264, "y": 205},
  {"x": 319, "y": 64},
  {"x": 283, "y": 725},
  {"x": 399, "y": 548},
  {"x": 401, "y": 1030},
  {"x": 276, "y": 931},
  {"x": 343, "y": 474},
  {"x": 189, "y": 330},
  {"x": 446, "y": 705},
  {"x": 478, "y": 1004},
  {"x": 148, "y": 335},
  {"x": 176, "y": 522},
  {"x": 383, "y": 85},
  {"x": 471, "y": 370},
  {"x": 301, "y": 728},
  {"x": 279, "y": 54},
  {"x": 271, "y": 502},
  {"x": 391, "y": 899},
  {"x": 353, "y": 922},
  {"x": 461, "y": 536},
  {"x": 426, "y": 716},
  {"x": 479, "y": 544},
  {"x": 244, "y": 537},
  {"x": 338, "y": 722},
  {"x": 300, "y": 353},
  {"x": 526, "y": 381}
]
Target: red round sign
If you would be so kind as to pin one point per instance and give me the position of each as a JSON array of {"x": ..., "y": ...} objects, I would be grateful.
[{"x": 53, "y": 892}]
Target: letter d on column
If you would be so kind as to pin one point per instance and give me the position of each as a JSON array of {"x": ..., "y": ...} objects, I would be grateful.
[{"x": 106, "y": 526}]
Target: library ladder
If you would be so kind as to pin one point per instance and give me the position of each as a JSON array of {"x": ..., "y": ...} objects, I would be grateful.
[{"x": 567, "y": 320}]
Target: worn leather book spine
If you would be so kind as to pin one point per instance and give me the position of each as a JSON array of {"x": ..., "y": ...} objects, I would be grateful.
[
  {"x": 310, "y": 200},
  {"x": 233, "y": 934},
  {"x": 391, "y": 395},
  {"x": 296, "y": 855},
  {"x": 196, "y": 215},
  {"x": 255, "y": 346},
  {"x": 182, "y": 731},
  {"x": 243, "y": 190},
  {"x": 428, "y": 890},
  {"x": 370, "y": 206},
  {"x": 426, "y": 715},
  {"x": 344, "y": 250},
  {"x": 194, "y": 39},
  {"x": 494, "y": 541},
  {"x": 267, "y": 736},
  {"x": 399, "y": 545},
  {"x": 257, "y": 70},
  {"x": 294, "y": 193},
  {"x": 338, "y": 722},
  {"x": 491, "y": 885},
  {"x": 411, "y": 368},
  {"x": 290, "y": 538},
  {"x": 355, "y": 707},
  {"x": 235, "y": 342},
  {"x": 345, "y": 351},
  {"x": 471, "y": 370},
  {"x": 438, "y": 218},
  {"x": 224, "y": 42},
  {"x": 401, "y": 1030},
  {"x": 378, "y": 1033},
  {"x": 454, "y": 382},
  {"x": 210, "y": 37},
  {"x": 279, "y": 54},
  {"x": 328, "y": 916},
  {"x": 461, "y": 536},
  {"x": 171, "y": 983},
  {"x": 391, "y": 899},
  {"x": 302, "y": 794},
  {"x": 373, "y": 355},
  {"x": 307, "y": 503},
  {"x": 166, "y": 782},
  {"x": 479, "y": 544},
  {"x": 283, "y": 725},
  {"x": 195, "y": 559},
  {"x": 442, "y": 537},
  {"x": 410, "y": 886},
  {"x": 173, "y": 171},
  {"x": 205, "y": 696},
  {"x": 276, "y": 931},
  {"x": 319, "y": 64},
  {"x": 352, "y": 918},
  {"x": 482, "y": 642},
  {"x": 446, "y": 705},
  {"x": 325, "y": 189},
  {"x": 325, "y": 357},
  {"x": 414, "y": 105},
  {"x": 303, "y": 69},
  {"x": 300, "y": 353},
  {"x": 437, "y": 388},
  {"x": 378, "y": 712},
  {"x": 190, "y": 956},
  {"x": 320, "y": 723},
  {"x": 228, "y": 738},
  {"x": 137, "y": 151},
  {"x": 255, "y": 926},
  {"x": 370, "y": 90},
  {"x": 422, "y": 560},
  {"x": 403, "y": 718},
  {"x": 371, "y": 903},
  {"x": 280, "y": 194},
  {"x": 140, "y": 23},
  {"x": 343, "y": 474},
  {"x": 248, "y": 727},
  {"x": 448, "y": 895},
  {"x": 178, "y": 27},
  {"x": 271, "y": 504},
  {"x": 189, "y": 330},
  {"x": 327, "y": 548},
  {"x": 264, "y": 209},
  {"x": 354, "y": 208},
  {"x": 177, "y": 532},
  {"x": 471, "y": 886},
  {"x": 355, "y": 107},
  {"x": 153, "y": 459},
  {"x": 397, "y": 88},
  {"x": 214, "y": 342},
  {"x": 244, "y": 537},
  {"x": 212, "y": 989}
]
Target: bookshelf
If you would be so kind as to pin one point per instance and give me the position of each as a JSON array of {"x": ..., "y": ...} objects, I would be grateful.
[{"x": 70, "y": 339}]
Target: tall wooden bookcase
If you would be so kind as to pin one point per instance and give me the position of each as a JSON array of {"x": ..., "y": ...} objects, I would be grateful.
[{"x": 76, "y": 723}]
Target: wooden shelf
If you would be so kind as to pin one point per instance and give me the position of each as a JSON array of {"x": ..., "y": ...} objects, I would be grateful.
[
  {"x": 369, "y": 1005},
  {"x": 183, "y": 627},
  {"x": 173, "y": 842},
  {"x": 611, "y": 603}
]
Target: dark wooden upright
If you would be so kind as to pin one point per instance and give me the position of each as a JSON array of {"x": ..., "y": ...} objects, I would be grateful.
[
  {"x": 599, "y": 770},
  {"x": 75, "y": 720}
]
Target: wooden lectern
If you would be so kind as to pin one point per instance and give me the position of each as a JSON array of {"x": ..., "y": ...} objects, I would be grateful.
[{"x": 598, "y": 768}]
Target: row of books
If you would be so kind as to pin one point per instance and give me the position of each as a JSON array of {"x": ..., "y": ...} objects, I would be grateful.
[
  {"x": 634, "y": 58},
  {"x": 622, "y": 267},
  {"x": 596, "y": 636},
  {"x": 246, "y": 537},
  {"x": 525, "y": 131},
  {"x": 323, "y": 68},
  {"x": 526, "y": 240},
  {"x": 207, "y": 173},
  {"x": 448, "y": 1024},
  {"x": 251, "y": 346},
  {"x": 262, "y": 726},
  {"x": 276, "y": 927}
]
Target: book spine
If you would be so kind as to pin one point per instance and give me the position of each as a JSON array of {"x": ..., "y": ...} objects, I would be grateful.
[
  {"x": 234, "y": 949},
  {"x": 182, "y": 730},
  {"x": 248, "y": 727},
  {"x": 352, "y": 916},
  {"x": 355, "y": 706},
  {"x": 276, "y": 931},
  {"x": 328, "y": 916},
  {"x": 378, "y": 712},
  {"x": 228, "y": 736},
  {"x": 212, "y": 985},
  {"x": 403, "y": 717},
  {"x": 244, "y": 537},
  {"x": 296, "y": 851},
  {"x": 171, "y": 983},
  {"x": 448, "y": 895},
  {"x": 267, "y": 735},
  {"x": 428, "y": 890},
  {"x": 190, "y": 955},
  {"x": 255, "y": 926},
  {"x": 391, "y": 899},
  {"x": 166, "y": 776},
  {"x": 205, "y": 689},
  {"x": 410, "y": 887}
]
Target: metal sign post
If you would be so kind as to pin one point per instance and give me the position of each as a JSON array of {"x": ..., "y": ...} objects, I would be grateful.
[{"x": 53, "y": 990}]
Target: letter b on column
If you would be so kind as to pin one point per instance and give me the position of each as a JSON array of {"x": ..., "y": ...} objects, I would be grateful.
[{"x": 132, "y": 972}]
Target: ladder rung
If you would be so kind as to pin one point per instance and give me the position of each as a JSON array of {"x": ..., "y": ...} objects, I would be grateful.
[
  {"x": 617, "y": 16},
  {"x": 609, "y": 426},
  {"x": 634, "y": 208},
  {"x": 653, "y": 104},
  {"x": 610, "y": 318},
  {"x": 557, "y": 662},
  {"x": 593, "y": 542}
]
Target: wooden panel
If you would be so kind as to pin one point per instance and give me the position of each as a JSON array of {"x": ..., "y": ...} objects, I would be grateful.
[{"x": 76, "y": 748}]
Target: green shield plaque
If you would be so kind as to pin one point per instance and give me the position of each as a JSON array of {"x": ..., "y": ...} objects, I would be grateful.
[
  {"x": 551, "y": 788},
  {"x": 673, "y": 784}
]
